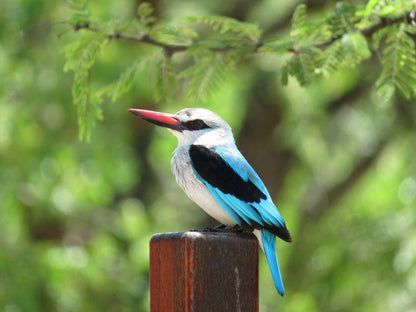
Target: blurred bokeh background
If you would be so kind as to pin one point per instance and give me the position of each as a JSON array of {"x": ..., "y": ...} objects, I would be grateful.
[{"x": 76, "y": 217}]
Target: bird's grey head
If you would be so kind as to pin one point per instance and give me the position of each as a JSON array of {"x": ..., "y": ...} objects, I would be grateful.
[{"x": 189, "y": 124}]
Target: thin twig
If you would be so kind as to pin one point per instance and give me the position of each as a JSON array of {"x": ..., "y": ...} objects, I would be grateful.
[
  {"x": 145, "y": 39},
  {"x": 368, "y": 32}
]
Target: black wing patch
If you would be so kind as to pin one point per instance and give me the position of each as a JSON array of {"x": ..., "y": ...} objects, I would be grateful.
[{"x": 213, "y": 169}]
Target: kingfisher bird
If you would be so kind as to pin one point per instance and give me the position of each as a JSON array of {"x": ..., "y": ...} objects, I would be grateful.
[{"x": 214, "y": 174}]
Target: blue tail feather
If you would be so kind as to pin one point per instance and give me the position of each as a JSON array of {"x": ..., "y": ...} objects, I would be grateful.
[{"x": 269, "y": 244}]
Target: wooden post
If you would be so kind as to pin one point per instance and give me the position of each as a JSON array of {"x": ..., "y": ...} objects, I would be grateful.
[{"x": 203, "y": 271}]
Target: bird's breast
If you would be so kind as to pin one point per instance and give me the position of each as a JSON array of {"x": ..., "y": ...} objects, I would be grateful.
[{"x": 194, "y": 188}]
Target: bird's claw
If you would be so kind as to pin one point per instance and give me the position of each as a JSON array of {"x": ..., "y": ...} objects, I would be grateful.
[{"x": 221, "y": 228}]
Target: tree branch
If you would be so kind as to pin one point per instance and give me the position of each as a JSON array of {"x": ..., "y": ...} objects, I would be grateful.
[
  {"x": 409, "y": 17},
  {"x": 171, "y": 48}
]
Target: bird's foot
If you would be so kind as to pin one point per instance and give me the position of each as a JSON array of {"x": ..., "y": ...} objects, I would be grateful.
[
  {"x": 218, "y": 228},
  {"x": 221, "y": 228},
  {"x": 235, "y": 229}
]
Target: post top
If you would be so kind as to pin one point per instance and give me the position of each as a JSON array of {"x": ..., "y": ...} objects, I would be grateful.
[{"x": 206, "y": 236}]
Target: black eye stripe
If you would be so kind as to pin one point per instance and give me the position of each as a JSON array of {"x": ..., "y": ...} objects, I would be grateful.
[{"x": 196, "y": 124}]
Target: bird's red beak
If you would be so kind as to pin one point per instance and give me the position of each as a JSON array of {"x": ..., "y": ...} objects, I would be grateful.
[{"x": 161, "y": 119}]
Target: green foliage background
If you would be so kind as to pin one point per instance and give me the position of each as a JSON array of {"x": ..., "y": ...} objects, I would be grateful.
[{"x": 335, "y": 146}]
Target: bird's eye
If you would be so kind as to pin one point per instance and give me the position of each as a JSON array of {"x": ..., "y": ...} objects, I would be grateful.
[{"x": 196, "y": 124}]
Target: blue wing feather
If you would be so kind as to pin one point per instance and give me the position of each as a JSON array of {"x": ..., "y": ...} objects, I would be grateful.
[
  {"x": 265, "y": 208},
  {"x": 240, "y": 209}
]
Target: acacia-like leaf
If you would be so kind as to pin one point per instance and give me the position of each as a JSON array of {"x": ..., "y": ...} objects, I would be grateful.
[
  {"x": 165, "y": 77},
  {"x": 80, "y": 57},
  {"x": 204, "y": 76},
  {"x": 127, "y": 77},
  {"x": 173, "y": 33},
  {"x": 399, "y": 62},
  {"x": 278, "y": 46},
  {"x": 224, "y": 25},
  {"x": 301, "y": 66}
]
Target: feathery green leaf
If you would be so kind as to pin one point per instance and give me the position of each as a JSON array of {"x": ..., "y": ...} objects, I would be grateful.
[
  {"x": 165, "y": 77},
  {"x": 144, "y": 12},
  {"x": 399, "y": 62},
  {"x": 126, "y": 79},
  {"x": 224, "y": 25},
  {"x": 80, "y": 11},
  {"x": 80, "y": 57},
  {"x": 205, "y": 75},
  {"x": 298, "y": 21},
  {"x": 301, "y": 66},
  {"x": 173, "y": 33},
  {"x": 284, "y": 75},
  {"x": 342, "y": 19},
  {"x": 278, "y": 46}
]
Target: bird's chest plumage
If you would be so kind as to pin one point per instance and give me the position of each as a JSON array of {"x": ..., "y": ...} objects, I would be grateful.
[{"x": 194, "y": 188}]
